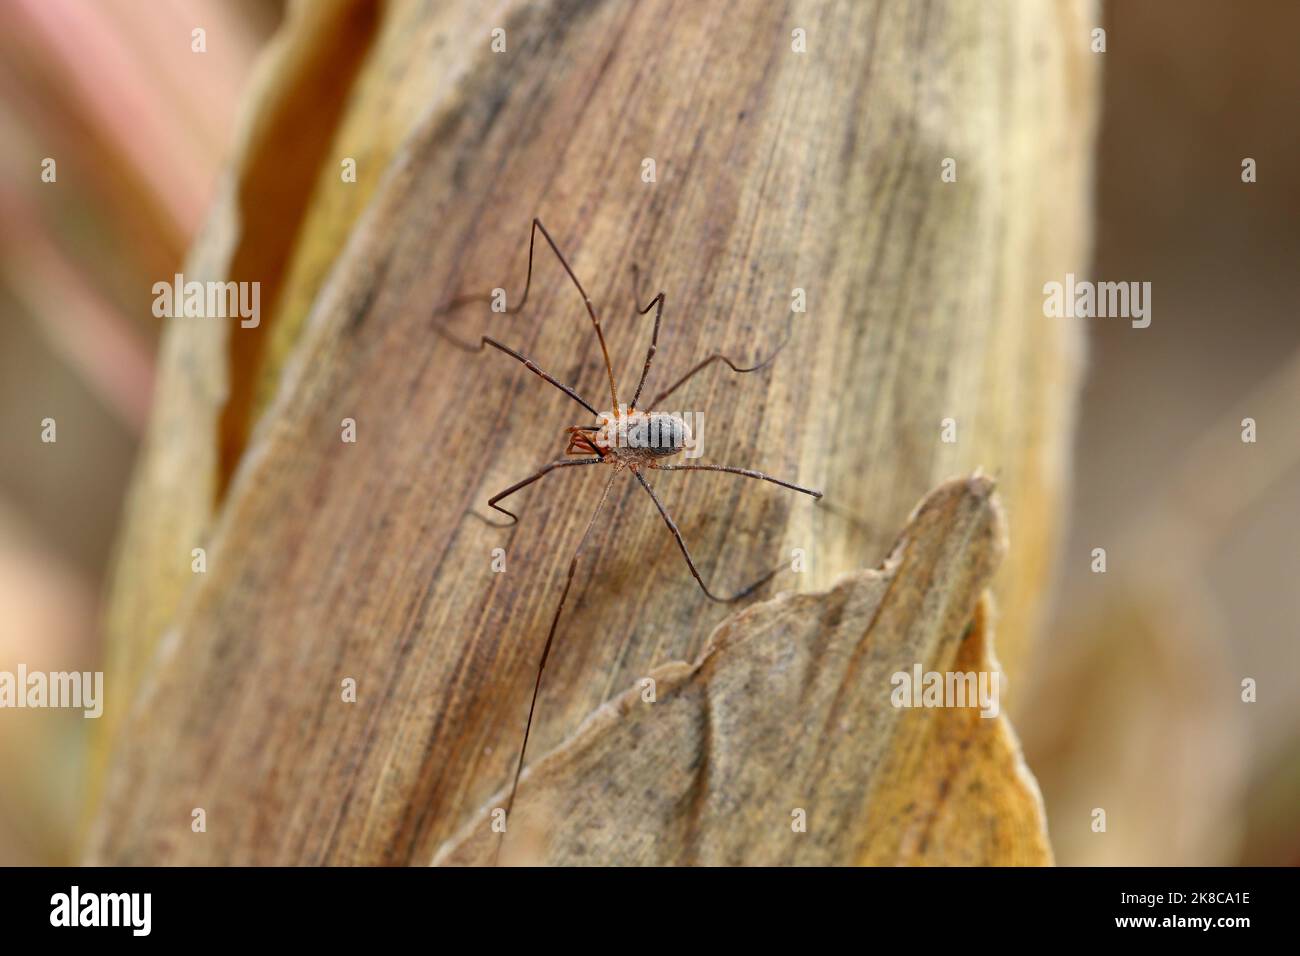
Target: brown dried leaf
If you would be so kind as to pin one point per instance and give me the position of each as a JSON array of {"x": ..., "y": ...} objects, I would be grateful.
[
  {"x": 200, "y": 408},
  {"x": 330, "y": 561},
  {"x": 789, "y": 708}
]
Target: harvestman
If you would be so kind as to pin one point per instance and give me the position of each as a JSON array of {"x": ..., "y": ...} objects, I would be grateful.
[{"x": 627, "y": 439}]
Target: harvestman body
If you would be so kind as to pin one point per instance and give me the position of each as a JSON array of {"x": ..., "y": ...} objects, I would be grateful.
[{"x": 627, "y": 439}]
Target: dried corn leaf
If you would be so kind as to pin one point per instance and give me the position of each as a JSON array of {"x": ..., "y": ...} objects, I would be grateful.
[
  {"x": 786, "y": 717},
  {"x": 777, "y": 171},
  {"x": 199, "y": 421}
]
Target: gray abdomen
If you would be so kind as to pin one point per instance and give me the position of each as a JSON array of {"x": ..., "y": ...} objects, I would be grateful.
[{"x": 658, "y": 435}]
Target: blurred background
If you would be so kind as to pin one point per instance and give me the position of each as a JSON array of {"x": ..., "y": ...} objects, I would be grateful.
[
  {"x": 77, "y": 332},
  {"x": 1134, "y": 705}
]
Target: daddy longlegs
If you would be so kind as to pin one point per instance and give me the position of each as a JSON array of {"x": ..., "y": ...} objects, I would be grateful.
[{"x": 627, "y": 439}]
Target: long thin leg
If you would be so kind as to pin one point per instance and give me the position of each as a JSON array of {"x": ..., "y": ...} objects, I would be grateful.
[
  {"x": 743, "y": 471},
  {"x": 545, "y": 469},
  {"x": 528, "y": 364},
  {"x": 528, "y": 284},
  {"x": 546, "y": 652},
  {"x": 657, "y": 303},
  {"x": 719, "y": 357},
  {"x": 672, "y": 526}
]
